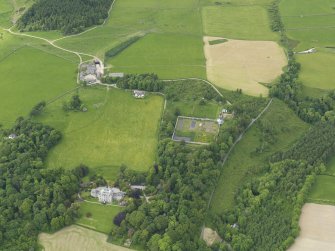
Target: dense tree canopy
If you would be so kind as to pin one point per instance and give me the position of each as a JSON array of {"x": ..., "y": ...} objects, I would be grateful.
[
  {"x": 32, "y": 198},
  {"x": 68, "y": 16}
]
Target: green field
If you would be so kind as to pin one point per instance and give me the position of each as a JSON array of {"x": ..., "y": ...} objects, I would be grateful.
[
  {"x": 101, "y": 218},
  {"x": 30, "y": 75},
  {"x": 172, "y": 47},
  {"x": 6, "y": 10},
  {"x": 117, "y": 129},
  {"x": 245, "y": 163},
  {"x": 312, "y": 25},
  {"x": 161, "y": 54},
  {"x": 250, "y": 22},
  {"x": 323, "y": 190}
]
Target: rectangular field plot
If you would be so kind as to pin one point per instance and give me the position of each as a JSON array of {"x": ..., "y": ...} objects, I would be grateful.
[{"x": 195, "y": 130}]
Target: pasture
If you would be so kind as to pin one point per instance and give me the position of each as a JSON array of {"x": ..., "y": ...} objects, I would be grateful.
[
  {"x": 6, "y": 10},
  {"x": 245, "y": 162},
  {"x": 167, "y": 55},
  {"x": 117, "y": 129},
  {"x": 31, "y": 75},
  {"x": 235, "y": 21},
  {"x": 312, "y": 25},
  {"x": 317, "y": 229},
  {"x": 195, "y": 130},
  {"x": 76, "y": 238},
  {"x": 172, "y": 47},
  {"x": 97, "y": 217},
  {"x": 246, "y": 65}
]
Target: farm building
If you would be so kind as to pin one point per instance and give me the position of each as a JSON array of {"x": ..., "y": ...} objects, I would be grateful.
[
  {"x": 91, "y": 72},
  {"x": 107, "y": 194},
  {"x": 90, "y": 78},
  {"x": 139, "y": 94},
  {"x": 116, "y": 75}
]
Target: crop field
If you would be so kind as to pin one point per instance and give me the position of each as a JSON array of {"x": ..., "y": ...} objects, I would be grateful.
[
  {"x": 317, "y": 229},
  {"x": 312, "y": 25},
  {"x": 117, "y": 129},
  {"x": 76, "y": 238},
  {"x": 246, "y": 65},
  {"x": 245, "y": 163},
  {"x": 97, "y": 217},
  {"x": 27, "y": 83},
  {"x": 238, "y": 21},
  {"x": 196, "y": 130}
]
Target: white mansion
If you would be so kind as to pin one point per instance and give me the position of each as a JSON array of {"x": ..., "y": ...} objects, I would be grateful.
[{"x": 107, "y": 194}]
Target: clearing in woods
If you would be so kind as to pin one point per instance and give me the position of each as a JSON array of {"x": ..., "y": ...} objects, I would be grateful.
[
  {"x": 317, "y": 229},
  {"x": 76, "y": 238},
  {"x": 246, "y": 65}
]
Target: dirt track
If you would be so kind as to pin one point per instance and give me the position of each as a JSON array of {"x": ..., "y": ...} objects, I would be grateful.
[
  {"x": 317, "y": 229},
  {"x": 75, "y": 238},
  {"x": 244, "y": 64}
]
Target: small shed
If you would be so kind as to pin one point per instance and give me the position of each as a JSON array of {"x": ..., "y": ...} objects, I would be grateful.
[{"x": 139, "y": 94}]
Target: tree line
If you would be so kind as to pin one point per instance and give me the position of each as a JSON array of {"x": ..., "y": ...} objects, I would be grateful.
[
  {"x": 68, "y": 16},
  {"x": 32, "y": 198},
  {"x": 146, "y": 82}
]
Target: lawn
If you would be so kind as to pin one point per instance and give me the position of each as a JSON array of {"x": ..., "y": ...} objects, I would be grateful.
[
  {"x": 238, "y": 22},
  {"x": 245, "y": 163},
  {"x": 101, "y": 218},
  {"x": 117, "y": 129},
  {"x": 312, "y": 25},
  {"x": 30, "y": 75}
]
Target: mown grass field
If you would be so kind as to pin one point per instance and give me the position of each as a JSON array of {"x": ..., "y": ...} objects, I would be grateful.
[
  {"x": 245, "y": 163},
  {"x": 238, "y": 21},
  {"x": 117, "y": 129},
  {"x": 30, "y": 75},
  {"x": 101, "y": 218},
  {"x": 168, "y": 55},
  {"x": 312, "y": 25}
]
